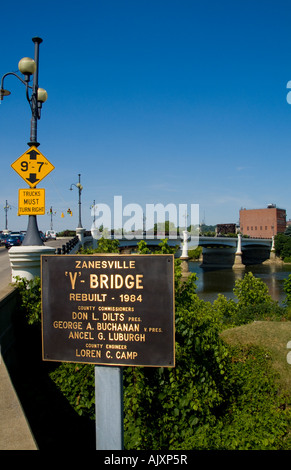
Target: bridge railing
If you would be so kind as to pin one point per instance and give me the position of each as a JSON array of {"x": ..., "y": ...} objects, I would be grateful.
[{"x": 69, "y": 247}]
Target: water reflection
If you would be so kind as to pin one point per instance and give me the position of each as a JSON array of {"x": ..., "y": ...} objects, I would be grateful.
[{"x": 213, "y": 281}]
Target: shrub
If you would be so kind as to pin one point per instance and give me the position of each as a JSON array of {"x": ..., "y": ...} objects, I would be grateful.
[
  {"x": 253, "y": 303},
  {"x": 251, "y": 291},
  {"x": 30, "y": 294},
  {"x": 217, "y": 397},
  {"x": 76, "y": 382},
  {"x": 255, "y": 416}
]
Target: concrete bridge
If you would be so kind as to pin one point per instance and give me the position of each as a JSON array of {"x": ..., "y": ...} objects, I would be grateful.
[
  {"x": 217, "y": 251},
  {"x": 235, "y": 251}
]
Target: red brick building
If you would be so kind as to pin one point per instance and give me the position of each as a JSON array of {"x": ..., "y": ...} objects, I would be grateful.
[{"x": 262, "y": 223}]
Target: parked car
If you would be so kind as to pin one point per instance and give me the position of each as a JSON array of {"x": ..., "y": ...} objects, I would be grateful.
[
  {"x": 3, "y": 237},
  {"x": 42, "y": 236},
  {"x": 13, "y": 240},
  {"x": 50, "y": 235}
]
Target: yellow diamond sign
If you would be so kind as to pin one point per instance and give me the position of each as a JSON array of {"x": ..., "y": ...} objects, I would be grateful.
[{"x": 32, "y": 166}]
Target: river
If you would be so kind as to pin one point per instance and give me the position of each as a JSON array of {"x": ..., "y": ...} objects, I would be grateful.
[{"x": 212, "y": 282}]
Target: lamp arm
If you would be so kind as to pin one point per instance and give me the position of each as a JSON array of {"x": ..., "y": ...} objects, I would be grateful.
[
  {"x": 76, "y": 185},
  {"x": 15, "y": 75},
  {"x": 22, "y": 81}
]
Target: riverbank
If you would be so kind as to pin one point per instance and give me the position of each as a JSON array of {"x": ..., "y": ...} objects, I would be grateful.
[{"x": 273, "y": 337}]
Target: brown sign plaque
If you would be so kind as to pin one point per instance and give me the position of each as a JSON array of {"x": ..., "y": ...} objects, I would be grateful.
[{"x": 108, "y": 309}]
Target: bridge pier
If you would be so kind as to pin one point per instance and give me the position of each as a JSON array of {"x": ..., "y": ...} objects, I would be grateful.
[
  {"x": 273, "y": 259},
  {"x": 185, "y": 257},
  {"x": 238, "y": 264},
  {"x": 80, "y": 232},
  {"x": 273, "y": 256}
]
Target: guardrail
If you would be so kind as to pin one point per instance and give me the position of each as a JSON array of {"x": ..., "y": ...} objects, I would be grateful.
[{"x": 68, "y": 247}]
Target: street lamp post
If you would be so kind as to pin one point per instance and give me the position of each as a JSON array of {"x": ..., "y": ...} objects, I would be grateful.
[
  {"x": 51, "y": 213},
  {"x": 25, "y": 259},
  {"x": 36, "y": 98},
  {"x": 80, "y": 231},
  {"x": 79, "y": 187},
  {"x": 6, "y": 208}
]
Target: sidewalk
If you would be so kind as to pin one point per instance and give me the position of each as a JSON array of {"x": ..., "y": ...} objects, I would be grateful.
[{"x": 15, "y": 433}]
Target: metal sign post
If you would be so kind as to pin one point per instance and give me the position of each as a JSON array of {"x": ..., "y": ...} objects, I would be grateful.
[
  {"x": 109, "y": 408},
  {"x": 112, "y": 311}
]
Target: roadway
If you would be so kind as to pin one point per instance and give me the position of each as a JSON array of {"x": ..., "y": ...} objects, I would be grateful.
[
  {"x": 5, "y": 272},
  {"x": 5, "y": 268}
]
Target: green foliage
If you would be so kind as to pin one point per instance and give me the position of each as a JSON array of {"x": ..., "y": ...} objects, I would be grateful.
[
  {"x": 255, "y": 416},
  {"x": 77, "y": 383},
  {"x": 283, "y": 245},
  {"x": 104, "y": 245},
  {"x": 209, "y": 234},
  {"x": 227, "y": 308},
  {"x": 287, "y": 290},
  {"x": 30, "y": 294},
  {"x": 142, "y": 248},
  {"x": 165, "y": 248},
  {"x": 200, "y": 404},
  {"x": 253, "y": 303},
  {"x": 204, "y": 229},
  {"x": 67, "y": 233},
  {"x": 163, "y": 405},
  {"x": 216, "y": 397},
  {"x": 251, "y": 291},
  {"x": 195, "y": 253}
]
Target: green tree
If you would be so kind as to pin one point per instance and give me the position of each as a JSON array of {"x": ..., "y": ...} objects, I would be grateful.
[
  {"x": 287, "y": 290},
  {"x": 283, "y": 245},
  {"x": 104, "y": 245},
  {"x": 253, "y": 303},
  {"x": 143, "y": 248},
  {"x": 251, "y": 291}
]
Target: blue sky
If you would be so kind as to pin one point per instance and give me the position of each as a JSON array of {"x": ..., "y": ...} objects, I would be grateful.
[{"x": 159, "y": 101}]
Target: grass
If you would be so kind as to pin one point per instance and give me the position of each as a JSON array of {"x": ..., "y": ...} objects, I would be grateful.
[{"x": 272, "y": 336}]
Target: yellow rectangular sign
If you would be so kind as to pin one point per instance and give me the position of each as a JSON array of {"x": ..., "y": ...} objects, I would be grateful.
[{"x": 31, "y": 201}]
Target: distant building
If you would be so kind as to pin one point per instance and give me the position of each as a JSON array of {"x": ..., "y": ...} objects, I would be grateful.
[
  {"x": 262, "y": 223},
  {"x": 223, "y": 229}
]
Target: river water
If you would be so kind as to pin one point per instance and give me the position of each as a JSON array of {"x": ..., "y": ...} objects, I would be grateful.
[{"x": 214, "y": 281}]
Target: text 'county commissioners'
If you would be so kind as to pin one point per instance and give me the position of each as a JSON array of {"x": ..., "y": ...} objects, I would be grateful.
[{"x": 108, "y": 309}]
